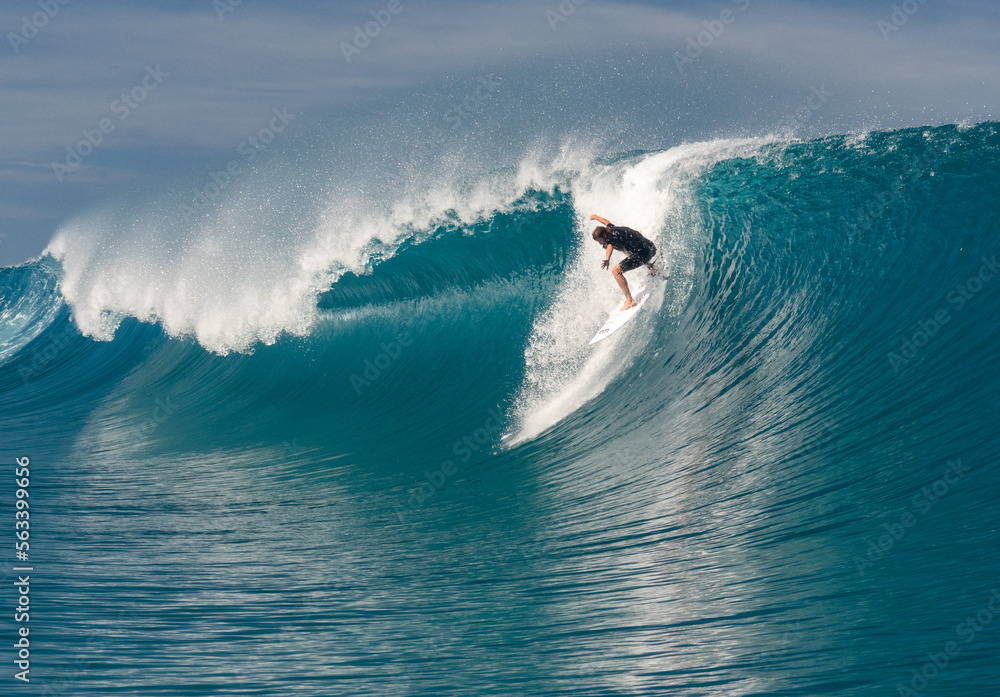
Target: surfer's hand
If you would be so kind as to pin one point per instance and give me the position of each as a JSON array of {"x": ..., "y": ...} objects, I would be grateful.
[
  {"x": 604, "y": 264},
  {"x": 594, "y": 216}
]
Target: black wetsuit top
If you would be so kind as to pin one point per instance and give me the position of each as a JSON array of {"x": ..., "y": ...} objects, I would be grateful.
[
  {"x": 639, "y": 249},
  {"x": 625, "y": 239}
]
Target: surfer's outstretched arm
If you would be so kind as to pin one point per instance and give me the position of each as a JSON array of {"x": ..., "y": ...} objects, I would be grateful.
[{"x": 603, "y": 221}]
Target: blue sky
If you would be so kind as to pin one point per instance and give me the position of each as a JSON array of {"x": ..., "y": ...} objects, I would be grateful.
[{"x": 211, "y": 73}]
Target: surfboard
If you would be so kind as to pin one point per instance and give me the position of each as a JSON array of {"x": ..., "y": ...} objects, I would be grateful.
[{"x": 618, "y": 318}]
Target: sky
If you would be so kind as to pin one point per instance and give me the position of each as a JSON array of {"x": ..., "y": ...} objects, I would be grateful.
[{"x": 103, "y": 98}]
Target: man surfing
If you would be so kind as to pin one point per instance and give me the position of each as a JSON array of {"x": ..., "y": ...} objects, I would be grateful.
[{"x": 639, "y": 250}]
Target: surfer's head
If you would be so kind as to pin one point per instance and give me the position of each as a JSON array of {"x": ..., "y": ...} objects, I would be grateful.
[{"x": 601, "y": 234}]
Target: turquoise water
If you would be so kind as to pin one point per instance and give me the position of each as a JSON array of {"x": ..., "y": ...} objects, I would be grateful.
[{"x": 380, "y": 458}]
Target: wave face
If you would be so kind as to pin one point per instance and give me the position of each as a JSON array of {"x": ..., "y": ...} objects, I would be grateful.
[{"x": 366, "y": 444}]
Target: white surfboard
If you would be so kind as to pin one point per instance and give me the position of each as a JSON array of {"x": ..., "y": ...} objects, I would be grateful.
[{"x": 619, "y": 318}]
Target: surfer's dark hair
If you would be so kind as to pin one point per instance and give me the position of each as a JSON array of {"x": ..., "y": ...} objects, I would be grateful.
[{"x": 600, "y": 234}]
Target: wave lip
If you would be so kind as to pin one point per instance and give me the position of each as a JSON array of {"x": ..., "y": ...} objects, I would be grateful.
[{"x": 244, "y": 273}]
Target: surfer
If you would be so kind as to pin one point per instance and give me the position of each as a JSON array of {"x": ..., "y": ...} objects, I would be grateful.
[{"x": 639, "y": 250}]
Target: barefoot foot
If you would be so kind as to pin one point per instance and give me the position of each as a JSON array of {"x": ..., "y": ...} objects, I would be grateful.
[{"x": 628, "y": 304}]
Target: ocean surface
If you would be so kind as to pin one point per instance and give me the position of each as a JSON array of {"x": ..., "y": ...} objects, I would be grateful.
[{"x": 285, "y": 448}]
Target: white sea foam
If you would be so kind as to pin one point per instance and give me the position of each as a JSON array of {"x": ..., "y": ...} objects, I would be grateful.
[
  {"x": 252, "y": 268},
  {"x": 649, "y": 193}
]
